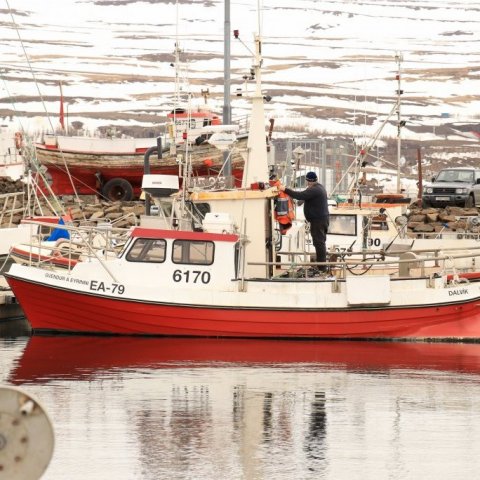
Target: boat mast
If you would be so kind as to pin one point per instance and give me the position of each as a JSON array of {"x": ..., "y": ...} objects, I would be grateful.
[
  {"x": 256, "y": 166},
  {"x": 400, "y": 124},
  {"x": 227, "y": 111},
  {"x": 176, "y": 101}
]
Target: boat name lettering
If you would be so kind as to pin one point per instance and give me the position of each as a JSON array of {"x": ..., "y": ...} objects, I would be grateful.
[
  {"x": 191, "y": 276},
  {"x": 460, "y": 291},
  {"x": 78, "y": 280},
  {"x": 99, "y": 286},
  {"x": 55, "y": 276}
]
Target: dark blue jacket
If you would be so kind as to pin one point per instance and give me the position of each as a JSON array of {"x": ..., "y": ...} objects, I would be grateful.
[{"x": 315, "y": 198}]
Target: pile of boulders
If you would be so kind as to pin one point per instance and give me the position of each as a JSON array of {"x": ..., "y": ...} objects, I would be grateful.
[
  {"x": 13, "y": 208},
  {"x": 8, "y": 185},
  {"x": 121, "y": 214},
  {"x": 454, "y": 219}
]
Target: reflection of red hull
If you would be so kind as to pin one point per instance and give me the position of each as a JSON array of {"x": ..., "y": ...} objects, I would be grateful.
[{"x": 81, "y": 356}]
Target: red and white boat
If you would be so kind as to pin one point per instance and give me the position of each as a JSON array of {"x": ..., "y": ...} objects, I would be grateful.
[
  {"x": 169, "y": 282},
  {"x": 113, "y": 167},
  {"x": 223, "y": 281}
]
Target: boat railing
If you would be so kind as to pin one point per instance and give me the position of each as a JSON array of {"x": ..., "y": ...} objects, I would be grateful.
[
  {"x": 431, "y": 253},
  {"x": 11, "y": 205},
  {"x": 243, "y": 123},
  {"x": 126, "y": 217},
  {"x": 445, "y": 234},
  {"x": 85, "y": 243},
  {"x": 420, "y": 262}
]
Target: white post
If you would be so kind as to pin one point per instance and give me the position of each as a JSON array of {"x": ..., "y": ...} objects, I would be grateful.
[{"x": 256, "y": 168}]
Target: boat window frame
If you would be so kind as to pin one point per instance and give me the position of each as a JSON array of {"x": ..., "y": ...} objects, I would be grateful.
[
  {"x": 147, "y": 247},
  {"x": 337, "y": 215},
  {"x": 189, "y": 261}
]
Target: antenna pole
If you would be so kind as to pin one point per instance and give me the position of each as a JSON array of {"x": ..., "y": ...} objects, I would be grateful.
[
  {"x": 398, "y": 59},
  {"x": 227, "y": 110}
]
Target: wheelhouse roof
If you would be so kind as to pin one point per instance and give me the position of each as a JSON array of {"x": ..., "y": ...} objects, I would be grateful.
[{"x": 141, "y": 232}]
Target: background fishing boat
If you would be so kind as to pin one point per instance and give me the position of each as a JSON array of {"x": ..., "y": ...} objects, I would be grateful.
[{"x": 113, "y": 167}]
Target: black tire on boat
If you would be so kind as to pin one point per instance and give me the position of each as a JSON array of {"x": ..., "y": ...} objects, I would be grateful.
[{"x": 118, "y": 189}]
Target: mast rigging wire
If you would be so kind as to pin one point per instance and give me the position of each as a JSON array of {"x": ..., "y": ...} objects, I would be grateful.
[{"x": 39, "y": 92}]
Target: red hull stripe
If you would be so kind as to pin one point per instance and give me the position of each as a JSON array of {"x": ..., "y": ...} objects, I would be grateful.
[{"x": 69, "y": 311}]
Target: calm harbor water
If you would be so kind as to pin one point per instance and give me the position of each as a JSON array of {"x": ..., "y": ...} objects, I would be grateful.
[{"x": 127, "y": 408}]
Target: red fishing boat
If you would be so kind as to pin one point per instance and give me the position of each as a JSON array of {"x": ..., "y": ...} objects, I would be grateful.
[
  {"x": 221, "y": 280},
  {"x": 114, "y": 167}
]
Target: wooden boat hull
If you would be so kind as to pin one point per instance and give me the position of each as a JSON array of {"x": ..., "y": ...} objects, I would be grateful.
[
  {"x": 59, "y": 309},
  {"x": 82, "y": 168}
]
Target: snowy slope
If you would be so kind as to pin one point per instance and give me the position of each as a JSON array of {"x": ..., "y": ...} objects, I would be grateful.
[{"x": 329, "y": 65}]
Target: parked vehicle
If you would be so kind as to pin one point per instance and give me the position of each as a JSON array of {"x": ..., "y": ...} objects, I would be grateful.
[{"x": 453, "y": 187}]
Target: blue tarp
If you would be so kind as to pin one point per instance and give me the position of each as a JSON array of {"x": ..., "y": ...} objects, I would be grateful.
[{"x": 59, "y": 232}]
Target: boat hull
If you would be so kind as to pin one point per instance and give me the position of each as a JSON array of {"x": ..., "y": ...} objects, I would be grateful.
[
  {"x": 82, "y": 168},
  {"x": 65, "y": 310}
]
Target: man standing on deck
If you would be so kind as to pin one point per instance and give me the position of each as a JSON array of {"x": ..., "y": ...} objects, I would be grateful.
[{"x": 315, "y": 209}]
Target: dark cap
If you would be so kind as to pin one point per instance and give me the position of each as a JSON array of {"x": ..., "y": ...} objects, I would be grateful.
[{"x": 311, "y": 177}]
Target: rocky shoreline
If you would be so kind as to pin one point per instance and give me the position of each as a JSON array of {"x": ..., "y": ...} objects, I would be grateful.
[
  {"x": 448, "y": 219},
  {"x": 12, "y": 207},
  {"x": 126, "y": 214}
]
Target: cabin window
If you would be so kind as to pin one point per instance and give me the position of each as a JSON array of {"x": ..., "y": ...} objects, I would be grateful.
[
  {"x": 149, "y": 250},
  {"x": 343, "y": 225},
  {"x": 193, "y": 252}
]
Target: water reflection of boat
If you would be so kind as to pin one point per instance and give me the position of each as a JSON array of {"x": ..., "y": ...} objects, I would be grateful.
[{"x": 79, "y": 357}]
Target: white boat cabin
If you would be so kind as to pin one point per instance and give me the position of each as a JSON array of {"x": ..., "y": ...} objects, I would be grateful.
[
  {"x": 350, "y": 229},
  {"x": 205, "y": 259}
]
